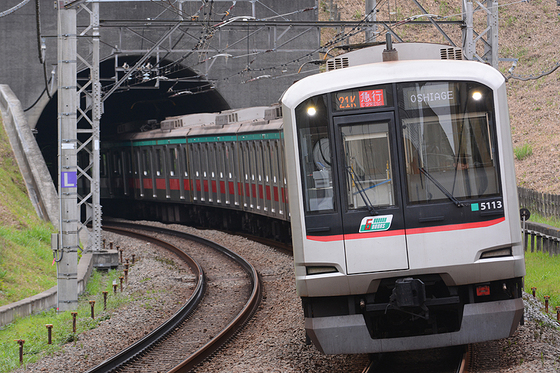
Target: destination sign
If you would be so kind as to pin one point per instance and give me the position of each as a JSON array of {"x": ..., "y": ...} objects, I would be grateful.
[
  {"x": 355, "y": 99},
  {"x": 430, "y": 96}
]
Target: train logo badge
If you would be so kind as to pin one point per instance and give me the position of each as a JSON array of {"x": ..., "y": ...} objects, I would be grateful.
[{"x": 376, "y": 223}]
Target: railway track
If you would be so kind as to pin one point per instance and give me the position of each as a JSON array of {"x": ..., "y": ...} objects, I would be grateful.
[{"x": 207, "y": 319}]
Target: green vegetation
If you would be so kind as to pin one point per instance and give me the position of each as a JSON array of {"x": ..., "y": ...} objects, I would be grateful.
[
  {"x": 543, "y": 270},
  {"x": 25, "y": 256},
  {"x": 32, "y": 329},
  {"x": 552, "y": 221},
  {"x": 522, "y": 152}
]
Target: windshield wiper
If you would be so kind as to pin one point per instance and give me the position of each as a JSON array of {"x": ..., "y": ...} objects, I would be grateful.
[
  {"x": 361, "y": 190},
  {"x": 441, "y": 187}
]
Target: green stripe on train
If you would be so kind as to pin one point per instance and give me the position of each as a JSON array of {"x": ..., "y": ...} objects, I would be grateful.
[
  {"x": 195, "y": 140},
  {"x": 249, "y": 137},
  {"x": 206, "y": 139}
]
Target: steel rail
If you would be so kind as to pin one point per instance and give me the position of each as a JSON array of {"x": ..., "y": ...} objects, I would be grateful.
[
  {"x": 236, "y": 324},
  {"x": 140, "y": 346}
]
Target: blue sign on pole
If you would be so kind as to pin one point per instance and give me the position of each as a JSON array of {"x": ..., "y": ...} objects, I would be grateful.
[{"x": 68, "y": 179}]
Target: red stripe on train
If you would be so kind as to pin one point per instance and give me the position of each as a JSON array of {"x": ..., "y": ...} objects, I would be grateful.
[{"x": 439, "y": 228}]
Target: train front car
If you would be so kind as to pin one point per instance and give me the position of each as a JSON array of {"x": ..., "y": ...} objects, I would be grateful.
[{"x": 404, "y": 211}]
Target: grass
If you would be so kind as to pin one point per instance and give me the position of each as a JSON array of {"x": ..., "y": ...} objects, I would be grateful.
[
  {"x": 25, "y": 254},
  {"x": 543, "y": 270},
  {"x": 32, "y": 329},
  {"x": 25, "y": 262},
  {"x": 522, "y": 152}
]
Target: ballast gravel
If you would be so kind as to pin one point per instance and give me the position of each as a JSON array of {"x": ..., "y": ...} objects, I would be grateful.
[{"x": 274, "y": 340}]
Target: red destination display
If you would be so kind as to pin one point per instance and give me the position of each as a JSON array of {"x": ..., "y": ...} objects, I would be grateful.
[
  {"x": 372, "y": 98},
  {"x": 360, "y": 99}
]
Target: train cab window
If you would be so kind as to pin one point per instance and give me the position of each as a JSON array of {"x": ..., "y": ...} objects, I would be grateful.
[
  {"x": 173, "y": 161},
  {"x": 315, "y": 155},
  {"x": 369, "y": 179},
  {"x": 448, "y": 138}
]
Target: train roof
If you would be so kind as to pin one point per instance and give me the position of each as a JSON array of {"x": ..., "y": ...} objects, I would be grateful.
[
  {"x": 391, "y": 72},
  {"x": 406, "y": 51},
  {"x": 235, "y": 121}
]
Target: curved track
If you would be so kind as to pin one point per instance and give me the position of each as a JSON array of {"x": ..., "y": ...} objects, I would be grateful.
[{"x": 145, "y": 354}]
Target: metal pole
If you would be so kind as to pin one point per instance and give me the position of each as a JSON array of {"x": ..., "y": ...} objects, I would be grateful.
[
  {"x": 95, "y": 237},
  {"x": 468, "y": 43},
  {"x": 67, "y": 266},
  {"x": 371, "y": 32},
  {"x": 492, "y": 38}
]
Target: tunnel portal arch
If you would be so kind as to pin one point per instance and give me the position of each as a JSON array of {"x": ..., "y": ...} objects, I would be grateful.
[{"x": 141, "y": 98}]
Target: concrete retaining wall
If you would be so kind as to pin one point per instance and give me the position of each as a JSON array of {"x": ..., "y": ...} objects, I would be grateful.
[
  {"x": 47, "y": 299},
  {"x": 43, "y": 195},
  {"x": 32, "y": 166}
]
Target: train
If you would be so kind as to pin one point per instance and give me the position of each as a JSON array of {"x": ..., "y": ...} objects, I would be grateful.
[
  {"x": 393, "y": 174},
  {"x": 222, "y": 170}
]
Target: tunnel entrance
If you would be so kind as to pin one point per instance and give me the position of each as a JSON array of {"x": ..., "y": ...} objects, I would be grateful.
[{"x": 143, "y": 97}]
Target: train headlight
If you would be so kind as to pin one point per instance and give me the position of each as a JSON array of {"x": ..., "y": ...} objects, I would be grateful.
[
  {"x": 311, "y": 111},
  {"x": 476, "y": 95}
]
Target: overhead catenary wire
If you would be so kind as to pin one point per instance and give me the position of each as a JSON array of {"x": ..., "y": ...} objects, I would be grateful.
[
  {"x": 13, "y": 9},
  {"x": 532, "y": 77},
  {"x": 357, "y": 29},
  {"x": 41, "y": 48},
  {"x": 278, "y": 70}
]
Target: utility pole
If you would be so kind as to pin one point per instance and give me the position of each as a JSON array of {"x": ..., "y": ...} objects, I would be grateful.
[{"x": 67, "y": 240}]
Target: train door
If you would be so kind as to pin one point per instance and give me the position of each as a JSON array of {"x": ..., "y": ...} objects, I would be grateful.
[
  {"x": 276, "y": 210},
  {"x": 185, "y": 187},
  {"x": 160, "y": 183},
  {"x": 127, "y": 171},
  {"x": 267, "y": 177},
  {"x": 147, "y": 179},
  {"x": 139, "y": 173},
  {"x": 223, "y": 168},
  {"x": 173, "y": 173},
  {"x": 234, "y": 172},
  {"x": 372, "y": 210},
  {"x": 196, "y": 163},
  {"x": 213, "y": 172},
  {"x": 260, "y": 177}
]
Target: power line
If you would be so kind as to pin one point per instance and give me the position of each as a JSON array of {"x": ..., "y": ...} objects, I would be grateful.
[
  {"x": 13, "y": 9},
  {"x": 531, "y": 77}
]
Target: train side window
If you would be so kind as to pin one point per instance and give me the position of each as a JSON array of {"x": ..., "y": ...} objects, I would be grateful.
[
  {"x": 117, "y": 163},
  {"x": 173, "y": 161},
  {"x": 146, "y": 162},
  {"x": 185, "y": 160},
  {"x": 138, "y": 162},
  {"x": 315, "y": 155},
  {"x": 230, "y": 159},
  {"x": 127, "y": 162},
  {"x": 159, "y": 162}
]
